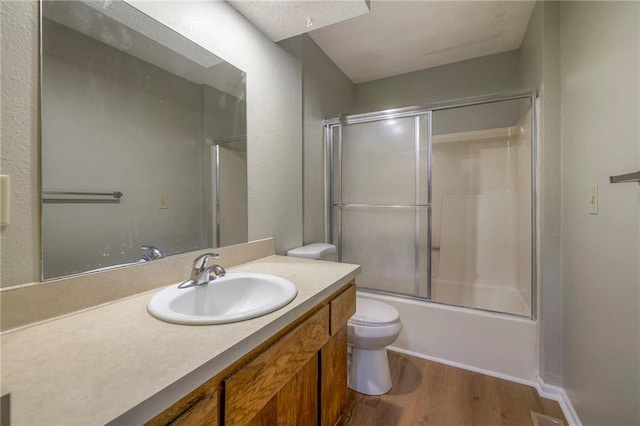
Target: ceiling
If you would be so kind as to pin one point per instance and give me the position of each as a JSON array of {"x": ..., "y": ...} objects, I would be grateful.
[
  {"x": 396, "y": 37},
  {"x": 280, "y": 19}
]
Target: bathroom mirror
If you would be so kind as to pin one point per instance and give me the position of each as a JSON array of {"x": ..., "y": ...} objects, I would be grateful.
[{"x": 143, "y": 140}]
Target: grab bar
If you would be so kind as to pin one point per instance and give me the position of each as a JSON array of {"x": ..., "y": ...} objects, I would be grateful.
[
  {"x": 76, "y": 197},
  {"x": 629, "y": 177}
]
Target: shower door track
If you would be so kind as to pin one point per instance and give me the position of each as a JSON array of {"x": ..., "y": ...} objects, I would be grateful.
[{"x": 416, "y": 111}]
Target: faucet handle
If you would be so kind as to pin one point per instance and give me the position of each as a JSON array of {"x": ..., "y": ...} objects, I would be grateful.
[
  {"x": 154, "y": 252},
  {"x": 200, "y": 263}
]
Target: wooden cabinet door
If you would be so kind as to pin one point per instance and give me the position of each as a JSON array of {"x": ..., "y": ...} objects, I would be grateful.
[
  {"x": 281, "y": 368},
  {"x": 296, "y": 403},
  {"x": 200, "y": 407},
  {"x": 204, "y": 412},
  {"x": 333, "y": 378},
  {"x": 333, "y": 359}
]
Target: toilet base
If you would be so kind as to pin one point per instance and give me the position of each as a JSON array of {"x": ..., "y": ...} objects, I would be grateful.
[{"x": 369, "y": 371}]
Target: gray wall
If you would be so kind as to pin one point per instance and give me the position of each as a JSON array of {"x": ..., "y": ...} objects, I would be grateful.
[
  {"x": 327, "y": 93},
  {"x": 540, "y": 70},
  {"x": 20, "y": 241},
  {"x": 274, "y": 101},
  {"x": 600, "y": 90},
  {"x": 481, "y": 76}
]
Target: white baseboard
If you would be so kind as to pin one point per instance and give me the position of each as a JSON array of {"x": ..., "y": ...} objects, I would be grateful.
[{"x": 555, "y": 393}]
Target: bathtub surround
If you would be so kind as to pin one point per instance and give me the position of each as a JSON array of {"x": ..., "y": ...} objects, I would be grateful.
[{"x": 481, "y": 204}]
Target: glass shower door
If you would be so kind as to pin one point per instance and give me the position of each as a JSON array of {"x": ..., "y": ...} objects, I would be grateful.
[
  {"x": 482, "y": 206},
  {"x": 380, "y": 202}
]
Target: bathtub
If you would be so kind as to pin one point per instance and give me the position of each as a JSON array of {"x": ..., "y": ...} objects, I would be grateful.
[
  {"x": 498, "y": 345},
  {"x": 497, "y": 299}
]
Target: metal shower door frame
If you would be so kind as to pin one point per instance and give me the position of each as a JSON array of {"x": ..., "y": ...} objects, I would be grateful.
[
  {"x": 330, "y": 155},
  {"x": 338, "y": 122}
]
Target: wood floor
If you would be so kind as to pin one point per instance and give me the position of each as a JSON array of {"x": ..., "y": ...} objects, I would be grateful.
[{"x": 428, "y": 393}]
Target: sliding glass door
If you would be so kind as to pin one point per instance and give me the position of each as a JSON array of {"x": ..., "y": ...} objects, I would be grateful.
[
  {"x": 438, "y": 203},
  {"x": 380, "y": 201}
]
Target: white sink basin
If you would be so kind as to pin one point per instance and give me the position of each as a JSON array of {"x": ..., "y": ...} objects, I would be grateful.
[{"x": 234, "y": 297}]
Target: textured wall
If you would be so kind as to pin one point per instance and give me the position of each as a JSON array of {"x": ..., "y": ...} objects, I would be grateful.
[
  {"x": 327, "y": 93},
  {"x": 540, "y": 70},
  {"x": 600, "y": 92},
  {"x": 274, "y": 119},
  {"x": 480, "y": 76},
  {"x": 20, "y": 241}
]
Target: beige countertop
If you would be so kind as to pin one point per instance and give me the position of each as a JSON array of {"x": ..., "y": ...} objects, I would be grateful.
[{"x": 116, "y": 363}]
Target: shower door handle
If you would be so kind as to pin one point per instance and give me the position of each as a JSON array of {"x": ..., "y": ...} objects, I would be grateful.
[{"x": 629, "y": 177}]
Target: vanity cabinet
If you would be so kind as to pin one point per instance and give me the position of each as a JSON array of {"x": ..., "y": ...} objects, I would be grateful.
[
  {"x": 280, "y": 384},
  {"x": 298, "y": 377}
]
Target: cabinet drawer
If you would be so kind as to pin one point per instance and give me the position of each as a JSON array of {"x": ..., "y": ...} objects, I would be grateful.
[
  {"x": 342, "y": 308},
  {"x": 252, "y": 387}
]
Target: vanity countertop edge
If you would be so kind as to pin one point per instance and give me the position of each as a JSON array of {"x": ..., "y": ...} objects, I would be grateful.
[{"x": 117, "y": 364}]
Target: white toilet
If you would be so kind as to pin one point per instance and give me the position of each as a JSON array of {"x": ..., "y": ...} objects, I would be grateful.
[{"x": 374, "y": 326}]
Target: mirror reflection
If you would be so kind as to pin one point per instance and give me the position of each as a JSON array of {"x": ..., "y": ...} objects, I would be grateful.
[{"x": 143, "y": 141}]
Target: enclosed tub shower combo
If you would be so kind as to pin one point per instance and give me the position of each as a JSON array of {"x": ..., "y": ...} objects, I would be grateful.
[{"x": 437, "y": 204}]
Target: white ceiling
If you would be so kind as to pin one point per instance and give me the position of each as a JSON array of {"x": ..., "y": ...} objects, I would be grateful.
[
  {"x": 394, "y": 37},
  {"x": 280, "y": 19},
  {"x": 397, "y": 37}
]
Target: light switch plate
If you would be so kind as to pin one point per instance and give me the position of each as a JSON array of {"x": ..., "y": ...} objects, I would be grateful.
[
  {"x": 4, "y": 200},
  {"x": 593, "y": 199}
]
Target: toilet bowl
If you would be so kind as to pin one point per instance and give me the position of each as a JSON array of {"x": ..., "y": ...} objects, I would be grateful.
[{"x": 374, "y": 326}]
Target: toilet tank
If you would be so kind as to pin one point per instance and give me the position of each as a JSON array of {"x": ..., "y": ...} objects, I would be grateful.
[{"x": 318, "y": 251}]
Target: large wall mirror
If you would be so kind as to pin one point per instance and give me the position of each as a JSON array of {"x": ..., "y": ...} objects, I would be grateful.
[{"x": 143, "y": 140}]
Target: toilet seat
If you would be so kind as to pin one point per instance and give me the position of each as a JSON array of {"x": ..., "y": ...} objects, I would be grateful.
[{"x": 373, "y": 313}]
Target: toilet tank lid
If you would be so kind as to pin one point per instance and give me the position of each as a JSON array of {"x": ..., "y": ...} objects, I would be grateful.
[
  {"x": 373, "y": 312},
  {"x": 312, "y": 251}
]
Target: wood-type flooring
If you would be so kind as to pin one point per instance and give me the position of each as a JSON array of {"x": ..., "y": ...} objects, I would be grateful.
[{"x": 427, "y": 393}]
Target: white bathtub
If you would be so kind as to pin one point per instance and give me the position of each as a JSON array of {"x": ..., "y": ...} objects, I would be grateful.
[
  {"x": 497, "y": 299},
  {"x": 498, "y": 345}
]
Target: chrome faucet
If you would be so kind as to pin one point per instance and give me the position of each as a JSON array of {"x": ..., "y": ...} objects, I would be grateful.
[
  {"x": 154, "y": 253},
  {"x": 201, "y": 273}
]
